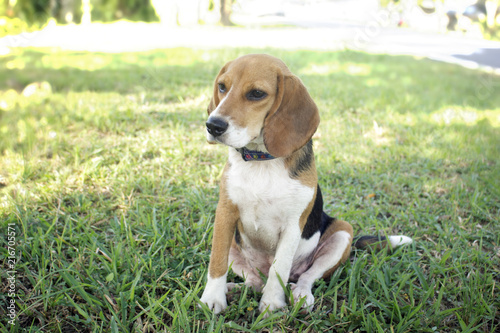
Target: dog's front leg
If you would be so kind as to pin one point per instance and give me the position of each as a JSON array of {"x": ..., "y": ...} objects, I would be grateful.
[
  {"x": 226, "y": 216},
  {"x": 273, "y": 294}
]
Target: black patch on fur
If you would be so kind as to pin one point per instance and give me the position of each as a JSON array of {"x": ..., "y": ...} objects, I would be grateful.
[
  {"x": 304, "y": 161},
  {"x": 317, "y": 219},
  {"x": 370, "y": 242},
  {"x": 237, "y": 236}
]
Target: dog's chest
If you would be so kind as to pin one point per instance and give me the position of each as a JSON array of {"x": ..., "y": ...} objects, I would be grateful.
[{"x": 267, "y": 198}]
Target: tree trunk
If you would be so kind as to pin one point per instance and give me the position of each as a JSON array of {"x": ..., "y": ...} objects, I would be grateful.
[
  {"x": 166, "y": 10},
  {"x": 86, "y": 12},
  {"x": 491, "y": 11},
  {"x": 225, "y": 12}
]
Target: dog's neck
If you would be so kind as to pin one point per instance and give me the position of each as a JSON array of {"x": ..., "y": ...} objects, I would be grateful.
[
  {"x": 254, "y": 155},
  {"x": 255, "y": 151}
]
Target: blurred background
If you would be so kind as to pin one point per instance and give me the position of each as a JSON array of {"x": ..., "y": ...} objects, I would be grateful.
[
  {"x": 478, "y": 18},
  {"x": 459, "y": 31},
  {"x": 106, "y": 176}
]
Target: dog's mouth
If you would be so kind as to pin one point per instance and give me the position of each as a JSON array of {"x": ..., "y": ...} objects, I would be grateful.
[
  {"x": 229, "y": 139},
  {"x": 211, "y": 140}
]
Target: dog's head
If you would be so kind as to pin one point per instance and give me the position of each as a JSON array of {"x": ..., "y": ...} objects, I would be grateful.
[{"x": 256, "y": 99}]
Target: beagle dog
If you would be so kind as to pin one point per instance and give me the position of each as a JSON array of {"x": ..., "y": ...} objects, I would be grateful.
[{"x": 269, "y": 219}]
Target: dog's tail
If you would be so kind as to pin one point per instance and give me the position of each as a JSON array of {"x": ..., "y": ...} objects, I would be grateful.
[{"x": 380, "y": 242}]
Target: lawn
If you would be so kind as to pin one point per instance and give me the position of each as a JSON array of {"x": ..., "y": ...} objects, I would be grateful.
[{"x": 108, "y": 192}]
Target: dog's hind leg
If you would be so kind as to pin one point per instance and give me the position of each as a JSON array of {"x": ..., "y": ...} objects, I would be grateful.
[{"x": 333, "y": 249}]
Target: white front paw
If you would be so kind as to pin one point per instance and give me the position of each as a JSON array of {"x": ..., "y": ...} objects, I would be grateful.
[
  {"x": 272, "y": 301},
  {"x": 217, "y": 303},
  {"x": 214, "y": 295},
  {"x": 299, "y": 292}
]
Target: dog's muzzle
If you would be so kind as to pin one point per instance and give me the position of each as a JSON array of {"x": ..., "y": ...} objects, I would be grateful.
[{"x": 216, "y": 126}]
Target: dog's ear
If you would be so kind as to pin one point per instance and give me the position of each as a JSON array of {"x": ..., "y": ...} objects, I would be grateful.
[
  {"x": 293, "y": 118},
  {"x": 214, "y": 101}
]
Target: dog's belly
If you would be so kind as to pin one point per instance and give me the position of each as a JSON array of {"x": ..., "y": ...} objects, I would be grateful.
[
  {"x": 269, "y": 201},
  {"x": 262, "y": 227}
]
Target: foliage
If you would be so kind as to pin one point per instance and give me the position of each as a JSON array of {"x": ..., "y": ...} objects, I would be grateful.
[
  {"x": 14, "y": 26},
  {"x": 40, "y": 11},
  {"x": 106, "y": 177},
  {"x": 33, "y": 11},
  {"x": 133, "y": 10}
]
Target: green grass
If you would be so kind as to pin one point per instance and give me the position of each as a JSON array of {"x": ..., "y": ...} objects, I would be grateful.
[{"x": 106, "y": 177}]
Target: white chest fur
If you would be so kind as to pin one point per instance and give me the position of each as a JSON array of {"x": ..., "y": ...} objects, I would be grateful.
[{"x": 268, "y": 199}]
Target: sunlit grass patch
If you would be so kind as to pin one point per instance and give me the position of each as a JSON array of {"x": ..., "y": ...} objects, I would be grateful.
[{"x": 106, "y": 175}]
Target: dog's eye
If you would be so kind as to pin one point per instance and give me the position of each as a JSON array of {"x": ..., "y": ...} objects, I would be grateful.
[
  {"x": 256, "y": 95},
  {"x": 222, "y": 88}
]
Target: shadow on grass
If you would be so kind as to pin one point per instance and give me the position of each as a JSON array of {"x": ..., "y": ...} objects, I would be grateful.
[
  {"x": 402, "y": 82},
  {"x": 114, "y": 189},
  {"x": 101, "y": 72}
]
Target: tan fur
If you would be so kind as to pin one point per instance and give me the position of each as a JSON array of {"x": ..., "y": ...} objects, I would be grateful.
[
  {"x": 307, "y": 211},
  {"x": 307, "y": 177},
  {"x": 288, "y": 116},
  {"x": 293, "y": 124},
  {"x": 336, "y": 226},
  {"x": 226, "y": 218},
  {"x": 285, "y": 121}
]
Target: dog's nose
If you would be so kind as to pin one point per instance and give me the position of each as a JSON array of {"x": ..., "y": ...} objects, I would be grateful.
[{"x": 216, "y": 126}]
